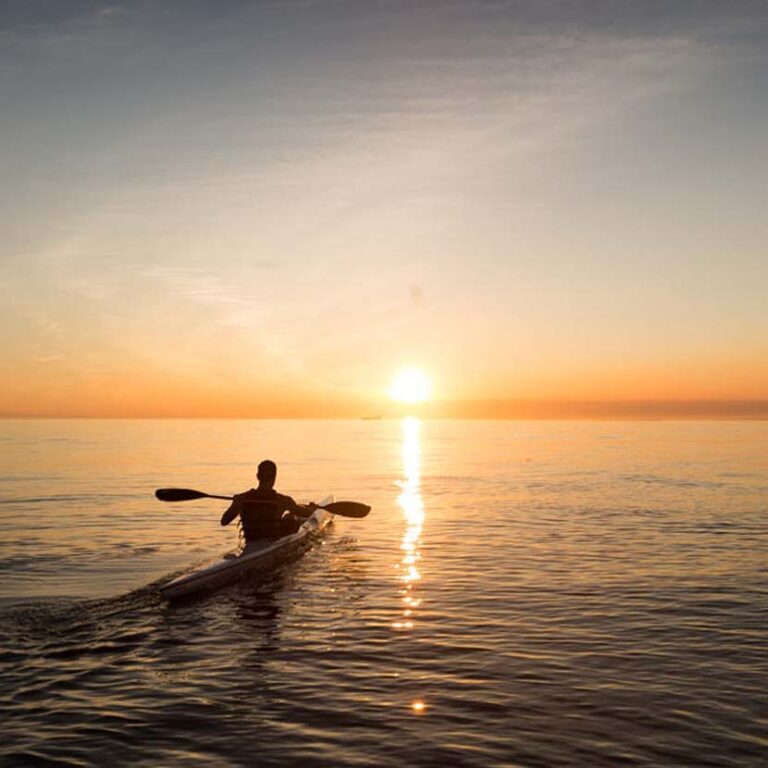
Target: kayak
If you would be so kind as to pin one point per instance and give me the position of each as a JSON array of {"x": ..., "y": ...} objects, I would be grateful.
[{"x": 256, "y": 556}]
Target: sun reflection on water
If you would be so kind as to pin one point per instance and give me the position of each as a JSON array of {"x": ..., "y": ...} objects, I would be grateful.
[
  {"x": 413, "y": 512},
  {"x": 412, "y": 507}
]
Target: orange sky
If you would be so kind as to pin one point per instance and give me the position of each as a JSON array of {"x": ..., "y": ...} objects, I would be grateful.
[
  {"x": 127, "y": 396},
  {"x": 269, "y": 211}
]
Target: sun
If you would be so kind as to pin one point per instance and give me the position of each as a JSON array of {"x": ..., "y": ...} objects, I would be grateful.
[{"x": 410, "y": 386}]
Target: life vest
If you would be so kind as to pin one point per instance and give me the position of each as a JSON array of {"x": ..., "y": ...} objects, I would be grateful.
[{"x": 261, "y": 515}]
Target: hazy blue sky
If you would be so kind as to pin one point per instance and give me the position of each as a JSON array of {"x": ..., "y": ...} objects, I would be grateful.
[{"x": 218, "y": 206}]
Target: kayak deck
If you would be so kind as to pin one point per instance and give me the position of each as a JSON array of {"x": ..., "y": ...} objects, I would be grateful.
[{"x": 257, "y": 556}]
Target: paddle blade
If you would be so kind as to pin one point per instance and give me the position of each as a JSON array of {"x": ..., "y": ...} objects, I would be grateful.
[
  {"x": 178, "y": 494},
  {"x": 348, "y": 508}
]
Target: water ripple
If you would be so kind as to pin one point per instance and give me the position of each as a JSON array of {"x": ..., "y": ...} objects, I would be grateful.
[{"x": 576, "y": 605}]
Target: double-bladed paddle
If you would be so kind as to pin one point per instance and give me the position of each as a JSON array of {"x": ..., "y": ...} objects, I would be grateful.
[{"x": 341, "y": 508}]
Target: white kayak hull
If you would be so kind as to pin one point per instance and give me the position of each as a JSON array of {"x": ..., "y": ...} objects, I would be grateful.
[{"x": 258, "y": 556}]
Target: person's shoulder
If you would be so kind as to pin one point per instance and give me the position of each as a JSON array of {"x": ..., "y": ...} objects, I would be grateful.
[{"x": 285, "y": 499}]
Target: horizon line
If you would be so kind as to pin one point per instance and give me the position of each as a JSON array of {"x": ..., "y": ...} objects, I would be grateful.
[{"x": 480, "y": 410}]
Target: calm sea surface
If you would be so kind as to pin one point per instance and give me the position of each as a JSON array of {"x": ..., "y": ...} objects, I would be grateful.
[{"x": 522, "y": 594}]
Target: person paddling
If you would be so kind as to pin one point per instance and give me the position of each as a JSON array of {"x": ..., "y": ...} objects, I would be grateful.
[{"x": 264, "y": 513}]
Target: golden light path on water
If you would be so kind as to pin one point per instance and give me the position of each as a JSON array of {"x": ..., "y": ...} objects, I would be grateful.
[{"x": 413, "y": 511}]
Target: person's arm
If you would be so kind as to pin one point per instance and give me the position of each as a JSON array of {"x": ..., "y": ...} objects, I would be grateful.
[
  {"x": 300, "y": 510},
  {"x": 233, "y": 510}
]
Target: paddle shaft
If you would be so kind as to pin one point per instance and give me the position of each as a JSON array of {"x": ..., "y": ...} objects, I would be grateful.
[{"x": 342, "y": 508}]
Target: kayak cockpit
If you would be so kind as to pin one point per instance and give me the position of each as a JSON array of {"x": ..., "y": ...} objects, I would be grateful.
[{"x": 260, "y": 555}]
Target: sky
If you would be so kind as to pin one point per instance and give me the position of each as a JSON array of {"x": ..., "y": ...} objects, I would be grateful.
[{"x": 269, "y": 208}]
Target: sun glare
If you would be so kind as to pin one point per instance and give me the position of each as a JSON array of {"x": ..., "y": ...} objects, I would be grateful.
[{"x": 410, "y": 386}]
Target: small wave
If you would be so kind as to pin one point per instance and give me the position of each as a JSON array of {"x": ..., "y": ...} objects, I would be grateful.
[
  {"x": 38, "y": 563},
  {"x": 70, "y": 497},
  {"x": 126, "y": 548},
  {"x": 672, "y": 481}
]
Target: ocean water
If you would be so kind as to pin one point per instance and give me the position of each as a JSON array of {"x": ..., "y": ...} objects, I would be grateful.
[{"x": 522, "y": 594}]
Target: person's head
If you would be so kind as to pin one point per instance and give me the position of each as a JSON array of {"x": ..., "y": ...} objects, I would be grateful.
[{"x": 267, "y": 473}]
